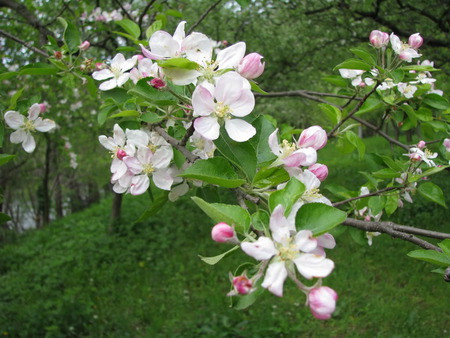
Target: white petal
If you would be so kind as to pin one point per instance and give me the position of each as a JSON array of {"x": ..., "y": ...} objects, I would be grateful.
[
  {"x": 179, "y": 34},
  {"x": 44, "y": 125},
  {"x": 102, "y": 75},
  {"x": 273, "y": 143},
  {"x": 128, "y": 64},
  {"x": 279, "y": 225},
  {"x": 244, "y": 105},
  {"x": 119, "y": 135},
  {"x": 202, "y": 101},
  {"x": 14, "y": 119},
  {"x": 33, "y": 112},
  {"x": 309, "y": 179},
  {"x": 18, "y": 136},
  {"x": 262, "y": 249},
  {"x": 304, "y": 241},
  {"x": 107, "y": 85},
  {"x": 139, "y": 185},
  {"x": 122, "y": 79},
  {"x": 310, "y": 265},
  {"x": 162, "y": 179},
  {"x": 230, "y": 57},
  {"x": 162, "y": 157},
  {"x": 198, "y": 48},
  {"x": 182, "y": 77},
  {"x": 137, "y": 137},
  {"x": 162, "y": 44},
  {"x": 107, "y": 142},
  {"x": 133, "y": 164},
  {"x": 239, "y": 130},
  {"x": 208, "y": 127},
  {"x": 118, "y": 170},
  {"x": 229, "y": 87},
  {"x": 326, "y": 241},
  {"x": 29, "y": 144},
  {"x": 275, "y": 276}
]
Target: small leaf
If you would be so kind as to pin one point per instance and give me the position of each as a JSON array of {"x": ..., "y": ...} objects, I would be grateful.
[
  {"x": 14, "y": 98},
  {"x": 436, "y": 101},
  {"x": 432, "y": 192},
  {"x": 386, "y": 173},
  {"x": 260, "y": 220},
  {"x": 151, "y": 117},
  {"x": 215, "y": 259},
  {"x": 160, "y": 197},
  {"x": 419, "y": 68},
  {"x": 181, "y": 63},
  {"x": 431, "y": 256},
  {"x": 155, "y": 26},
  {"x": 287, "y": 196},
  {"x": 445, "y": 246},
  {"x": 353, "y": 64},
  {"x": 270, "y": 177},
  {"x": 333, "y": 113},
  {"x": 151, "y": 94},
  {"x": 126, "y": 113},
  {"x": 365, "y": 55},
  {"x": 371, "y": 104},
  {"x": 356, "y": 142},
  {"x": 247, "y": 300},
  {"x": 130, "y": 27},
  {"x": 260, "y": 140},
  {"x": 5, "y": 158},
  {"x": 319, "y": 218},
  {"x": 256, "y": 88},
  {"x": 38, "y": 68}
]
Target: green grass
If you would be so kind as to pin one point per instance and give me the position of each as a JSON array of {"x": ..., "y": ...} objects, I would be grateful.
[{"x": 73, "y": 279}]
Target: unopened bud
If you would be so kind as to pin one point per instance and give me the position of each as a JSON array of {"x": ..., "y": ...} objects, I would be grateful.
[
  {"x": 85, "y": 45},
  {"x": 58, "y": 55},
  {"x": 121, "y": 154},
  {"x": 415, "y": 41},
  {"x": 421, "y": 144},
  {"x": 320, "y": 170},
  {"x": 314, "y": 137},
  {"x": 322, "y": 302},
  {"x": 157, "y": 83},
  {"x": 251, "y": 66},
  {"x": 446, "y": 144},
  {"x": 222, "y": 233},
  {"x": 378, "y": 39},
  {"x": 242, "y": 284},
  {"x": 100, "y": 66},
  {"x": 42, "y": 108}
]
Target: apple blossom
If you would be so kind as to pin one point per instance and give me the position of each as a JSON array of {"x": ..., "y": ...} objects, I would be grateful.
[
  {"x": 287, "y": 247},
  {"x": 416, "y": 154},
  {"x": 24, "y": 126},
  {"x": 242, "y": 285},
  {"x": 204, "y": 148},
  {"x": 145, "y": 68},
  {"x": 403, "y": 50},
  {"x": 379, "y": 39},
  {"x": 231, "y": 97},
  {"x": 222, "y": 233},
  {"x": 406, "y": 89},
  {"x": 415, "y": 41},
  {"x": 446, "y": 144},
  {"x": 116, "y": 72},
  {"x": 314, "y": 137},
  {"x": 251, "y": 66},
  {"x": 322, "y": 302},
  {"x": 85, "y": 45}
]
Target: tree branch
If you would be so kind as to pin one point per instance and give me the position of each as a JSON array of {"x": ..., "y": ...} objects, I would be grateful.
[
  {"x": 214, "y": 5},
  {"x": 26, "y": 44},
  {"x": 176, "y": 144}
]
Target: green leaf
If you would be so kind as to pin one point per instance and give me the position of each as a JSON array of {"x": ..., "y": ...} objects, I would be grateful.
[
  {"x": 155, "y": 26},
  {"x": 151, "y": 117},
  {"x": 353, "y": 64},
  {"x": 118, "y": 95},
  {"x": 260, "y": 220},
  {"x": 38, "y": 68},
  {"x": 230, "y": 214},
  {"x": 71, "y": 35},
  {"x": 287, "y": 196},
  {"x": 376, "y": 204},
  {"x": 419, "y": 68},
  {"x": 216, "y": 170},
  {"x": 254, "y": 87},
  {"x": 391, "y": 203},
  {"x": 130, "y": 27},
  {"x": 386, "y": 173},
  {"x": 431, "y": 256},
  {"x": 104, "y": 112},
  {"x": 333, "y": 113},
  {"x": 395, "y": 165},
  {"x": 371, "y": 104},
  {"x": 4, "y": 218},
  {"x": 247, "y": 300},
  {"x": 160, "y": 197},
  {"x": 215, "y": 259},
  {"x": 356, "y": 142},
  {"x": 340, "y": 191},
  {"x": 336, "y": 80},
  {"x": 270, "y": 177},
  {"x": 432, "y": 192},
  {"x": 436, "y": 101},
  {"x": 364, "y": 55},
  {"x": 445, "y": 246},
  {"x": 14, "y": 98},
  {"x": 241, "y": 154},
  {"x": 243, "y": 3},
  {"x": 5, "y": 158},
  {"x": 180, "y": 63},
  {"x": 126, "y": 113},
  {"x": 152, "y": 95},
  {"x": 174, "y": 13},
  {"x": 428, "y": 172},
  {"x": 260, "y": 140},
  {"x": 8, "y": 75},
  {"x": 319, "y": 218},
  {"x": 424, "y": 114}
]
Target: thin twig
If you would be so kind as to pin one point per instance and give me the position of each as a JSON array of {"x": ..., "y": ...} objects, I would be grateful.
[
  {"x": 175, "y": 143},
  {"x": 214, "y": 5},
  {"x": 26, "y": 44},
  {"x": 124, "y": 10},
  {"x": 144, "y": 12},
  {"x": 375, "y": 193}
]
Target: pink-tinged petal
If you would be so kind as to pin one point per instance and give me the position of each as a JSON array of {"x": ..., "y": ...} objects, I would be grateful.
[
  {"x": 120, "y": 170},
  {"x": 102, "y": 74},
  {"x": 262, "y": 249},
  {"x": 198, "y": 48},
  {"x": 229, "y": 88},
  {"x": 133, "y": 164},
  {"x": 139, "y": 184},
  {"x": 179, "y": 33},
  {"x": 44, "y": 125},
  {"x": 208, "y": 127},
  {"x": 18, "y": 136},
  {"x": 311, "y": 266},
  {"x": 294, "y": 160},
  {"x": 202, "y": 101},
  {"x": 322, "y": 301},
  {"x": 14, "y": 119},
  {"x": 122, "y": 79},
  {"x": 161, "y": 43},
  {"x": 230, "y": 57},
  {"x": 306, "y": 156},
  {"x": 304, "y": 241},
  {"x": 34, "y": 111},
  {"x": 239, "y": 130},
  {"x": 244, "y": 105},
  {"x": 326, "y": 241},
  {"x": 149, "y": 54},
  {"x": 115, "y": 164},
  {"x": 314, "y": 137},
  {"x": 273, "y": 143},
  {"x": 29, "y": 144},
  {"x": 396, "y": 43},
  {"x": 182, "y": 77},
  {"x": 162, "y": 179},
  {"x": 107, "y": 85},
  {"x": 118, "y": 188},
  {"x": 107, "y": 142},
  {"x": 162, "y": 157},
  {"x": 119, "y": 135},
  {"x": 279, "y": 225},
  {"x": 274, "y": 279}
]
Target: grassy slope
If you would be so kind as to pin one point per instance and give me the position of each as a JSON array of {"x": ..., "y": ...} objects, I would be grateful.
[{"x": 72, "y": 279}]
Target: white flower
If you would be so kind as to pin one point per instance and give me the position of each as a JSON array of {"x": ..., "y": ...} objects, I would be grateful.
[
  {"x": 403, "y": 50},
  {"x": 287, "y": 247},
  {"x": 406, "y": 90},
  {"x": 25, "y": 126},
  {"x": 116, "y": 72},
  {"x": 416, "y": 154}
]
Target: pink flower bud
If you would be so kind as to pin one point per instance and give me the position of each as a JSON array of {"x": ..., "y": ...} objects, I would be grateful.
[
  {"x": 121, "y": 154},
  {"x": 415, "y": 41},
  {"x": 322, "y": 302},
  {"x": 421, "y": 144},
  {"x": 320, "y": 170},
  {"x": 314, "y": 137},
  {"x": 378, "y": 39},
  {"x": 100, "y": 66},
  {"x": 242, "y": 284},
  {"x": 85, "y": 45},
  {"x": 447, "y": 144},
  {"x": 157, "y": 83},
  {"x": 251, "y": 66},
  {"x": 42, "y": 108},
  {"x": 222, "y": 233}
]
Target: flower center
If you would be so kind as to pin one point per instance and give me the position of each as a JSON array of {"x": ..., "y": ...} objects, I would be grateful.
[
  {"x": 287, "y": 148},
  {"x": 288, "y": 251},
  {"x": 147, "y": 169},
  {"x": 222, "y": 110},
  {"x": 209, "y": 71},
  {"x": 311, "y": 194},
  {"x": 29, "y": 125},
  {"x": 116, "y": 71}
]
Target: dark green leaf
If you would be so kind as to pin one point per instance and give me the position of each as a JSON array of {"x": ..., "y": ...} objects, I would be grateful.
[
  {"x": 436, "y": 101},
  {"x": 38, "y": 68},
  {"x": 431, "y": 256},
  {"x": 287, "y": 196},
  {"x": 432, "y": 192},
  {"x": 260, "y": 140},
  {"x": 319, "y": 218},
  {"x": 333, "y": 113},
  {"x": 5, "y": 158}
]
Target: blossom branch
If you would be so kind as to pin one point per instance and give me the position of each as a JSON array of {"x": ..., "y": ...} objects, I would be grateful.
[
  {"x": 395, "y": 231},
  {"x": 375, "y": 193},
  {"x": 176, "y": 144}
]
